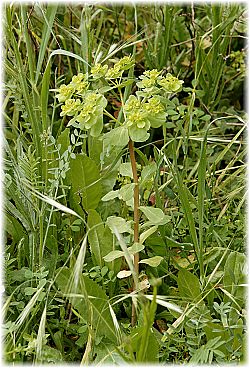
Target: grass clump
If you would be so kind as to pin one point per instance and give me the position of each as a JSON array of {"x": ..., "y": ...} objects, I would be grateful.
[{"x": 124, "y": 184}]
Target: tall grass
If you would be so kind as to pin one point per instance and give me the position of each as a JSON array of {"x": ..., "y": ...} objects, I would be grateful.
[{"x": 64, "y": 305}]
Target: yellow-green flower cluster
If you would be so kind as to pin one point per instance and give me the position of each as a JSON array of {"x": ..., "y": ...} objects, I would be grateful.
[
  {"x": 71, "y": 107},
  {"x": 149, "y": 79},
  {"x": 77, "y": 85},
  {"x": 152, "y": 74},
  {"x": 123, "y": 64},
  {"x": 152, "y": 81},
  {"x": 147, "y": 109},
  {"x": 154, "y": 105},
  {"x": 132, "y": 104},
  {"x": 65, "y": 92},
  {"x": 91, "y": 115},
  {"x": 138, "y": 119},
  {"x": 170, "y": 83},
  {"x": 238, "y": 62},
  {"x": 87, "y": 106},
  {"x": 99, "y": 71},
  {"x": 94, "y": 102},
  {"x": 140, "y": 116}
]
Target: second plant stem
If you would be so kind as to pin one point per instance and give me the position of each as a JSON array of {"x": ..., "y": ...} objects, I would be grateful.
[{"x": 136, "y": 220}]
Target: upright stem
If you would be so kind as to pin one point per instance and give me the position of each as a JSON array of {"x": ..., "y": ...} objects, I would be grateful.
[{"x": 136, "y": 219}]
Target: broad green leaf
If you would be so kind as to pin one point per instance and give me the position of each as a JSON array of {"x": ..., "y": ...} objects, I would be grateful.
[
  {"x": 114, "y": 254},
  {"x": 64, "y": 141},
  {"x": 96, "y": 128},
  {"x": 147, "y": 173},
  {"x": 124, "y": 273},
  {"x": 110, "y": 162},
  {"x": 125, "y": 169},
  {"x": 152, "y": 346},
  {"x": 157, "y": 120},
  {"x": 235, "y": 274},
  {"x": 135, "y": 248},
  {"x": 137, "y": 134},
  {"x": 189, "y": 285},
  {"x": 95, "y": 147},
  {"x": 147, "y": 233},
  {"x": 109, "y": 245},
  {"x": 107, "y": 355},
  {"x": 99, "y": 314},
  {"x": 90, "y": 301},
  {"x": 118, "y": 137},
  {"x": 85, "y": 181},
  {"x": 126, "y": 192},
  {"x": 95, "y": 236},
  {"x": 111, "y": 195},
  {"x": 153, "y": 262},
  {"x": 118, "y": 223},
  {"x": 155, "y": 215}
]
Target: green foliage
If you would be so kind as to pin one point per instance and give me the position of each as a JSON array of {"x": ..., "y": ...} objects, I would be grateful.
[
  {"x": 188, "y": 285},
  {"x": 86, "y": 87},
  {"x": 91, "y": 302},
  {"x": 84, "y": 179}
]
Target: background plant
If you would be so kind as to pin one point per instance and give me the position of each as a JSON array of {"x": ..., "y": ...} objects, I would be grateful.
[{"x": 69, "y": 193}]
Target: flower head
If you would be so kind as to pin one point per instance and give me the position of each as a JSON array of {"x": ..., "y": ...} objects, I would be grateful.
[
  {"x": 123, "y": 64},
  {"x": 65, "y": 92},
  {"x": 114, "y": 73},
  {"x": 149, "y": 79},
  {"x": 152, "y": 74},
  {"x": 99, "y": 71},
  {"x": 71, "y": 107},
  {"x": 132, "y": 104},
  {"x": 79, "y": 83},
  {"x": 76, "y": 79},
  {"x": 138, "y": 119},
  {"x": 154, "y": 105},
  {"x": 170, "y": 83}
]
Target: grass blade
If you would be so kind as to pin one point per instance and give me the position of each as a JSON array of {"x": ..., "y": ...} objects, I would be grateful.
[{"x": 47, "y": 29}]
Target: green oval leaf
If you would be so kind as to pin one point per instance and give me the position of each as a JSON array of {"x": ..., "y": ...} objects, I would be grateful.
[
  {"x": 119, "y": 224},
  {"x": 155, "y": 215},
  {"x": 111, "y": 195},
  {"x": 135, "y": 248},
  {"x": 113, "y": 255},
  {"x": 85, "y": 183},
  {"x": 153, "y": 262}
]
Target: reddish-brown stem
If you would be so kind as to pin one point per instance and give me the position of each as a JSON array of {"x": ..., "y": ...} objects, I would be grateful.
[{"x": 136, "y": 219}]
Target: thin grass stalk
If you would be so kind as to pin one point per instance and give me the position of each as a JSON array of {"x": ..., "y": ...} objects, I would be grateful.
[
  {"x": 201, "y": 200},
  {"x": 47, "y": 30},
  {"x": 149, "y": 314},
  {"x": 30, "y": 51},
  {"x": 85, "y": 37},
  {"x": 23, "y": 82},
  {"x": 128, "y": 88},
  {"x": 136, "y": 220}
]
